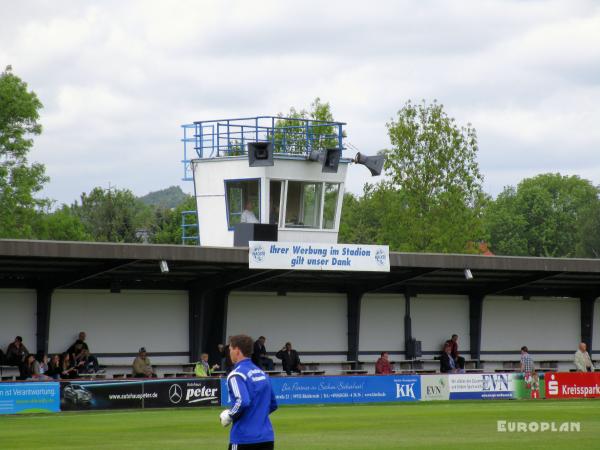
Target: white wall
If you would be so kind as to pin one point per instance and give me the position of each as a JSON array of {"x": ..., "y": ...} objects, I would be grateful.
[
  {"x": 209, "y": 179},
  {"x": 435, "y": 318},
  {"x": 546, "y": 324},
  {"x": 596, "y": 331},
  {"x": 381, "y": 325},
  {"x": 18, "y": 317},
  {"x": 121, "y": 323},
  {"x": 312, "y": 322}
]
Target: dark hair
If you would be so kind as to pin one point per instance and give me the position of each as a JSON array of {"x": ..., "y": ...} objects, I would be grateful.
[
  {"x": 262, "y": 337},
  {"x": 19, "y": 338},
  {"x": 382, "y": 353},
  {"x": 454, "y": 335},
  {"x": 242, "y": 342},
  {"x": 524, "y": 349}
]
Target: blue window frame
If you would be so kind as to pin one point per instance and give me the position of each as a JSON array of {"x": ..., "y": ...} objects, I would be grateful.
[{"x": 239, "y": 194}]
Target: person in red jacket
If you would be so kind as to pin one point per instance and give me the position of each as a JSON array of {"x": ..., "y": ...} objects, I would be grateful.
[{"x": 383, "y": 365}]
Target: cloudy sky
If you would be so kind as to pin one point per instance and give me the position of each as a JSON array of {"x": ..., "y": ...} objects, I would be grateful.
[{"x": 118, "y": 78}]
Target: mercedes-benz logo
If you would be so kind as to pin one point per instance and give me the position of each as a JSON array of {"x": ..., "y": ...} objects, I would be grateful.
[{"x": 175, "y": 393}]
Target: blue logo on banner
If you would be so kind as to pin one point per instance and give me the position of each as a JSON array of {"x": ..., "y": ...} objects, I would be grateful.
[
  {"x": 380, "y": 257},
  {"x": 258, "y": 254},
  {"x": 29, "y": 397},
  {"x": 355, "y": 389}
]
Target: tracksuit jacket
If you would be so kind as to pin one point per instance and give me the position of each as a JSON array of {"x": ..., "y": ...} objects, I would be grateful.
[{"x": 253, "y": 400}]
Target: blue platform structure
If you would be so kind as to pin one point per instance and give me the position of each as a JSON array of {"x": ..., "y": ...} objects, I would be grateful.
[
  {"x": 189, "y": 228},
  {"x": 290, "y": 136}
]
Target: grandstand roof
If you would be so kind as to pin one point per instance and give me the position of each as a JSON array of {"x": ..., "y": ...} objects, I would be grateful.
[{"x": 83, "y": 265}]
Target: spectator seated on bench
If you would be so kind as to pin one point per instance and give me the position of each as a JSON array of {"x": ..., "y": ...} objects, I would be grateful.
[
  {"x": 203, "y": 368},
  {"x": 16, "y": 353},
  {"x": 142, "y": 367},
  {"x": 290, "y": 360},
  {"x": 69, "y": 371},
  {"x": 383, "y": 365},
  {"x": 85, "y": 362},
  {"x": 259, "y": 355},
  {"x": 32, "y": 370}
]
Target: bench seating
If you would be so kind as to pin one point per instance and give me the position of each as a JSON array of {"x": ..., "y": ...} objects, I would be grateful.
[
  {"x": 312, "y": 372},
  {"x": 354, "y": 372}
]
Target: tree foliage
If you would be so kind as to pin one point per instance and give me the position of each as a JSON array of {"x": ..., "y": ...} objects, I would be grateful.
[
  {"x": 112, "y": 215},
  {"x": 166, "y": 225},
  {"x": 432, "y": 198},
  {"x": 61, "y": 225},
  {"x": 20, "y": 180},
  {"x": 292, "y": 135},
  {"x": 547, "y": 215}
]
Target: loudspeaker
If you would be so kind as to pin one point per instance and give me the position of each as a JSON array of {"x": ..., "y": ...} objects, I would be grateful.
[
  {"x": 329, "y": 158},
  {"x": 243, "y": 233},
  {"x": 260, "y": 154},
  {"x": 373, "y": 163},
  {"x": 413, "y": 349}
]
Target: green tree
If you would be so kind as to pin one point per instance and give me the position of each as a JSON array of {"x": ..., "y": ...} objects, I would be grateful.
[
  {"x": 292, "y": 134},
  {"x": 167, "y": 227},
  {"x": 61, "y": 225},
  {"x": 547, "y": 215},
  {"x": 431, "y": 155},
  {"x": 589, "y": 232},
  {"x": 432, "y": 198},
  {"x": 20, "y": 180},
  {"x": 113, "y": 215}
]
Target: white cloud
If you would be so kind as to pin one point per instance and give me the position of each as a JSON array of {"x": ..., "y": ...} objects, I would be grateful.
[{"x": 118, "y": 78}]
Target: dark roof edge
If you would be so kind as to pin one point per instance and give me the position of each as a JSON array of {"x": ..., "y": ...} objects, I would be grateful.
[
  {"x": 503, "y": 263},
  {"x": 110, "y": 250},
  {"x": 239, "y": 255}
]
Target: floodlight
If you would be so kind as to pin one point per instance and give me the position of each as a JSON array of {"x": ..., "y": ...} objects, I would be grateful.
[{"x": 164, "y": 267}]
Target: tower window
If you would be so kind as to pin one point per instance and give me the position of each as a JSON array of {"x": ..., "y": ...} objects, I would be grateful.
[{"x": 242, "y": 198}]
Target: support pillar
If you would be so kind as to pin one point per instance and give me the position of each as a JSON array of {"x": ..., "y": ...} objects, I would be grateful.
[
  {"x": 44, "y": 303},
  {"x": 353, "y": 301},
  {"x": 475, "y": 319},
  {"x": 207, "y": 321},
  {"x": 587, "y": 303},
  {"x": 407, "y": 319}
]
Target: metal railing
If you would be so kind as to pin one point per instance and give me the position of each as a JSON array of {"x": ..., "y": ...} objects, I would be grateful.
[
  {"x": 229, "y": 137},
  {"x": 190, "y": 234}
]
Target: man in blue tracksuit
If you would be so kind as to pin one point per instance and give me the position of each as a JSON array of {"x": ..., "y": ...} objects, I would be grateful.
[{"x": 253, "y": 400}]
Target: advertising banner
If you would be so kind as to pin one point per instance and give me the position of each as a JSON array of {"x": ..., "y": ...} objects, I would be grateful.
[
  {"x": 435, "y": 387},
  {"x": 32, "y": 397},
  {"x": 164, "y": 393},
  {"x": 319, "y": 256},
  {"x": 349, "y": 389},
  {"x": 573, "y": 385},
  {"x": 530, "y": 386},
  {"x": 483, "y": 386}
]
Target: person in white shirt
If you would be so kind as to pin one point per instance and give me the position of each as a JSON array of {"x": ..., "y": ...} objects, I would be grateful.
[
  {"x": 583, "y": 362},
  {"x": 248, "y": 214}
]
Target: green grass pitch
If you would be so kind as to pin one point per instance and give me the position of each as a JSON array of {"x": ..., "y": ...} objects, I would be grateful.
[{"x": 424, "y": 425}]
